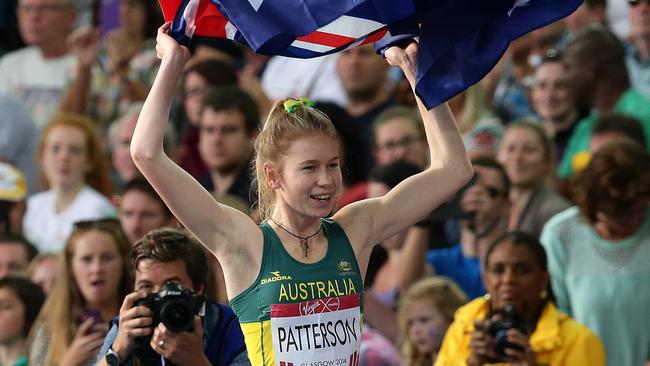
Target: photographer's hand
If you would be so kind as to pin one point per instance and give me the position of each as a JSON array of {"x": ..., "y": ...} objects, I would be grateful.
[
  {"x": 524, "y": 357},
  {"x": 134, "y": 322},
  {"x": 481, "y": 345},
  {"x": 181, "y": 348}
]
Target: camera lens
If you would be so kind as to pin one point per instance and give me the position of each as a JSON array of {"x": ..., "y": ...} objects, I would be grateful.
[{"x": 177, "y": 315}]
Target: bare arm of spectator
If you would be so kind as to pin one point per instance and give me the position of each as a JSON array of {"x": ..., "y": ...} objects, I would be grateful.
[
  {"x": 121, "y": 49},
  {"x": 83, "y": 43},
  {"x": 412, "y": 260},
  {"x": 249, "y": 81}
]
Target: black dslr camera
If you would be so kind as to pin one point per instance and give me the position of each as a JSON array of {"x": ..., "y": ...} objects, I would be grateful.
[
  {"x": 498, "y": 329},
  {"x": 173, "y": 306}
]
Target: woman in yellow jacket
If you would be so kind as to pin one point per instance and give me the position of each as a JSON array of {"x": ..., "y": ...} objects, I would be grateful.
[{"x": 517, "y": 323}]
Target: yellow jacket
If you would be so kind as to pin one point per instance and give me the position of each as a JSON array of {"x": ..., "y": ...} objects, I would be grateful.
[{"x": 557, "y": 339}]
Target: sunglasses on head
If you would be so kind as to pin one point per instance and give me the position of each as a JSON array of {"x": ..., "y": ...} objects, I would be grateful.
[
  {"x": 105, "y": 222},
  {"x": 634, "y": 3}
]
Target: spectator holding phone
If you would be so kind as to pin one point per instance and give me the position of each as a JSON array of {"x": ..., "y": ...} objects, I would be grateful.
[
  {"x": 517, "y": 322},
  {"x": 20, "y": 302},
  {"x": 93, "y": 278},
  {"x": 119, "y": 71},
  {"x": 160, "y": 258}
]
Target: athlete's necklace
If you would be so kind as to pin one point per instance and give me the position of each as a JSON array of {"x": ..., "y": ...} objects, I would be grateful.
[{"x": 304, "y": 240}]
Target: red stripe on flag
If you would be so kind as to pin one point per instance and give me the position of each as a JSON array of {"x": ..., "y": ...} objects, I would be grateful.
[
  {"x": 376, "y": 35},
  {"x": 169, "y": 8},
  {"x": 326, "y": 39},
  {"x": 209, "y": 21}
]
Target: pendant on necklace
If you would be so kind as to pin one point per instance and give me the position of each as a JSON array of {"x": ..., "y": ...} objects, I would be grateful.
[{"x": 305, "y": 247}]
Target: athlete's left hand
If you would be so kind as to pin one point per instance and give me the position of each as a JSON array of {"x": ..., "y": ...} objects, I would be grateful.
[
  {"x": 405, "y": 58},
  {"x": 181, "y": 348}
]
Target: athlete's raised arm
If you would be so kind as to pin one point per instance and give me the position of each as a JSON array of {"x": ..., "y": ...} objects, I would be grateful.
[
  {"x": 370, "y": 221},
  {"x": 221, "y": 229}
]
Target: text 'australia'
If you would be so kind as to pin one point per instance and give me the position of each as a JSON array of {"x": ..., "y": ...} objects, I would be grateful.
[{"x": 314, "y": 290}]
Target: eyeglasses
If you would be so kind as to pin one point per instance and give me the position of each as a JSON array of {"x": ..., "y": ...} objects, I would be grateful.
[
  {"x": 493, "y": 191},
  {"x": 634, "y": 3},
  {"x": 43, "y": 8},
  {"x": 406, "y": 142},
  {"x": 194, "y": 92},
  {"x": 108, "y": 222}
]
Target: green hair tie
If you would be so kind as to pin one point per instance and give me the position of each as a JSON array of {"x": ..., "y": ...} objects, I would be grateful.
[{"x": 291, "y": 105}]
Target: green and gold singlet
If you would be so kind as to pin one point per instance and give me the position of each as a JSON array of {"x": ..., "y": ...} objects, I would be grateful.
[{"x": 298, "y": 314}]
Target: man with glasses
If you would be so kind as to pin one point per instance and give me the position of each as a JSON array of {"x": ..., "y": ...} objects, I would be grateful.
[
  {"x": 39, "y": 73},
  {"x": 398, "y": 134},
  {"x": 483, "y": 216}
]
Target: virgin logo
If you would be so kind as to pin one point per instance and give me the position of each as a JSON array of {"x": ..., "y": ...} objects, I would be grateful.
[{"x": 320, "y": 306}]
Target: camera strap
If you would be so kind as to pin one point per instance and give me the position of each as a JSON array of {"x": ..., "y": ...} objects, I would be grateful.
[{"x": 210, "y": 321}]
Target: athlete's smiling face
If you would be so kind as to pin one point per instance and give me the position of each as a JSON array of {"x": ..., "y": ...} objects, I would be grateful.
[{"x": 310, "y": 176}]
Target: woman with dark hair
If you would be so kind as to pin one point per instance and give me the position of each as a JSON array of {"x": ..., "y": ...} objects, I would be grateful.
[
  {"x": 517, "y": 321},
  {"x": 599, "y": 251},
  {"x": 20, "y": 302},
  {"x": 94, "y": 277},
  {"x": 119, "y": 71}
]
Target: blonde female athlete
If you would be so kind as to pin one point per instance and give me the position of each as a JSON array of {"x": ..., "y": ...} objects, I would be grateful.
[{"x": 295, "y": 281}]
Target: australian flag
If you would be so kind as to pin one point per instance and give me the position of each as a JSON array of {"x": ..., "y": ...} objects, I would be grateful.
[{"x": 460, "y": 40}]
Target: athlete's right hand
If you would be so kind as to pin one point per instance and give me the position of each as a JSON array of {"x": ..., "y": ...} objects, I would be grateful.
[
  {"x": 166, "y": 46},
  {"x": 135, "y": 321}
]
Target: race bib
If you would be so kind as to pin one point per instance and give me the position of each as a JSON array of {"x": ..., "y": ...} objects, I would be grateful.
[{"x": 322, "y": 332}]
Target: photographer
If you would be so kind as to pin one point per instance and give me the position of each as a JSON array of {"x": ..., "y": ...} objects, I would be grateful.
[
  {"x": 517, "y": 322},
  {"x": 163, "y": 259}
]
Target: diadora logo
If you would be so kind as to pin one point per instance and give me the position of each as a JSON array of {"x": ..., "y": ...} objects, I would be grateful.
[
  {"x": 276, "y": 277},
  {"x": 344, "y": 266}
]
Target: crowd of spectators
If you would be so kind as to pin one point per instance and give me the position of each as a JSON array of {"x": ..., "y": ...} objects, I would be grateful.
[{"x": 551, "y": 235}]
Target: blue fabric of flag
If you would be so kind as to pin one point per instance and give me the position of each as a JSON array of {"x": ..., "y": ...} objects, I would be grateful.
[{"x": 460, "y": 40}]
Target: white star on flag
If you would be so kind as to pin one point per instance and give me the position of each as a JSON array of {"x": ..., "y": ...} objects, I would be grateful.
[
  {"x": 518, "y": 4},
  {"x": 256, "y": 3}
]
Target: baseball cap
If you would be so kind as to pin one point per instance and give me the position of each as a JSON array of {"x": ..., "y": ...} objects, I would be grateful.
[{"x": 13, "y": 186}]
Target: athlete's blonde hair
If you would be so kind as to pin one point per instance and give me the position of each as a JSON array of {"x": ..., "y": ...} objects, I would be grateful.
[{"x": 280, "y": 130}]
